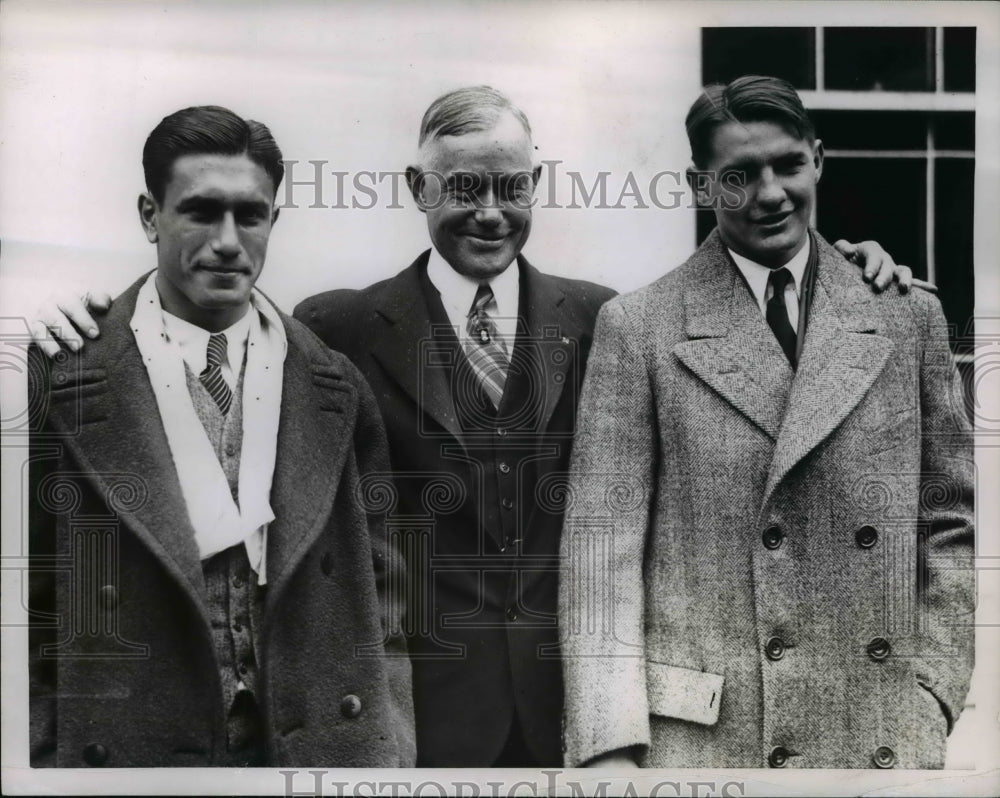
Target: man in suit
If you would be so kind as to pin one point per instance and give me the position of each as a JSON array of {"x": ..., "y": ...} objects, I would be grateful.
[
  {"x": 476, "y": 360},
  {"x": 770, "y": 539},
  {"x": 207, "y": 585}
]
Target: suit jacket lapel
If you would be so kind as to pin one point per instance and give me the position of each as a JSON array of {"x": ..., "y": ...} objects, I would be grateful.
[
  {"x": 553, "y": 329},
  {"x": 406, "y": 350},
  {"x": 841, "y": 359},
  {"x": 730, "y": 346},
  {"x": 123, "y": 445}
]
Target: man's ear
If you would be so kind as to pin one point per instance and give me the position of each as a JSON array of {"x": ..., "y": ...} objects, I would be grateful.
[
  {"x": 415, "y": 181},
  {"x": 818, "y": 158},
  {"x": 700, "y": 183},
  {"x": 147, "y": 216}
]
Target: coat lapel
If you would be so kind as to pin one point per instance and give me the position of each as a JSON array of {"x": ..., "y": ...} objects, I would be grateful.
[
  {"x": 552, "y": 330},
  {"x": 841, "y": 359},
  {"x": 313, "y": 441},
  {"x": 730, "y": 346},
  {"x": 406, "y": 350},
  {"x": 121, "y": 443}
]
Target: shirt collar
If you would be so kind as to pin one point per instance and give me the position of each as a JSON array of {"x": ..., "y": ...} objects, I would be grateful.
[
  {"x": 756, "y": 275},
  {"x": 192, "y": 340},
  {"x": 458, "y": 291}
]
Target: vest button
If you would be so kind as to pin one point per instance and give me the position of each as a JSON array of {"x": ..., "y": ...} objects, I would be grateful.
[
  {"x": 230, "y": 451},
  {"x": 501, "y": 432},
  {"x": 237, "y": 581},
  {"x": 350, "y": 706},
  {"x": 772, "y": 537},
  {"x": 774, "y": 648},
  {"x": 504, "y": 468},
  {"x": 884, "y": 757},
  {"x": 778, "y": 757},
  {"x": 878, "y": 649},
  {"x": 95, "y": 755},
  {"x": 866, "y": 537}
]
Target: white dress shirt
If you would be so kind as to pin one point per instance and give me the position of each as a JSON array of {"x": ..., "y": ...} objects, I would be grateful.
[
  {"x": 458, "y": 293},
  {"x": 757, "y": 278},
  {"x": 192, "y": 343}
]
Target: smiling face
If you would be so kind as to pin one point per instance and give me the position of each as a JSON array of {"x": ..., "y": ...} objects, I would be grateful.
[
  {"x": 211, "y": 232},
  {"x": 476, "y": 190},
  {"x": 777, "y": 175}
]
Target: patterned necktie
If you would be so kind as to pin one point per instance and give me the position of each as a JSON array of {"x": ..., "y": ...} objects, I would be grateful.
[
  {"x": 777, "y": 313},
  {"x": 485, "y": 352},
  {"x": 212, "y": 378}
]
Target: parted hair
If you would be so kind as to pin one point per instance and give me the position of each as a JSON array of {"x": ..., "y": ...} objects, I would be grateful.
[
  {"x": 467, "y": 110},
  {"x": 207, "y": 130},
  {"x": 751, "y": 98}
]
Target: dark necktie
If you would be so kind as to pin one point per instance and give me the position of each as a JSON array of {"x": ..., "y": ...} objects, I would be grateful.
[
  {"x": 777, "y": 313},
  {"x": 486, "y": 355},
  {"x": 212, "y": 378}
]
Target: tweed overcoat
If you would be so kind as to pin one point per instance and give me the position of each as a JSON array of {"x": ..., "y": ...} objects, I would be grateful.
[
  {"x": 768, "y": 567},
  {"x": 123, "y": 668},
  {"x": 481, "y": 612}
]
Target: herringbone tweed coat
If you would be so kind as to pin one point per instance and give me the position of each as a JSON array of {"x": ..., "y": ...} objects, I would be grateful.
[
  {"x": 123, "y": 669},
  {"x": 768, "y": 567}
]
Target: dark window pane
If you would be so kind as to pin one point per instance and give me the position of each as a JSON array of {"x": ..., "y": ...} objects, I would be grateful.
[
  {"x": 953, "y": 208},
  {"x": 862, "y": 198},
  {"x": 955, "y": 131},
  {"x": 959, "y": 59},
  {"x": 879, "y": 59},
  {"x": 789, "y": 53},
  {"x": 871, "y": 130}
]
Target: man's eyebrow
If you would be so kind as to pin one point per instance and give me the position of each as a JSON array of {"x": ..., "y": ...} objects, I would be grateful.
[{"x": 201, "y": 202}]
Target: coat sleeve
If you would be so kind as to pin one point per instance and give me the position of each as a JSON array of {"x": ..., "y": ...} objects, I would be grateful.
[
  {"x": 946, "y": 520},
  {"x": 372, "y": 451},
  {"x": 611, "y": 489}
]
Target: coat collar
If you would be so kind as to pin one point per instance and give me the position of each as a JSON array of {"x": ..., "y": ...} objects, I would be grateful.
[
  {"x": 405, "y": 341},
  {"x": 115, "y": 434},
  {"x": 731, "y": 348}
]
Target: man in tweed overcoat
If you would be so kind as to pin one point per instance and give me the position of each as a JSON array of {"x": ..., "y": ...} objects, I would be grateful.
[
  {"x": 767, "y": 551},
  {"x": 208, "y": 586}
]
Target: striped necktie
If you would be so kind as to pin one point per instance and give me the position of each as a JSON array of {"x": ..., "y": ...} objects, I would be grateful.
[
  {"x": 212, "y": 378},
  {"x": 485, "y": 351}
]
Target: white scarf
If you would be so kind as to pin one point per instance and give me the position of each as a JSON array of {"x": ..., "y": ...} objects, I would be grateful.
[{"x": 217, "y": 519}]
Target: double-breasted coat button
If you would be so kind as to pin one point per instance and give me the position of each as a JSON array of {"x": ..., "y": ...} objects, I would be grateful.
[
  {"x": 772, "y": 537},
  {"x": 884, "y": 757},
  {"x": 774, "y": 648},
  {"x": 504, "y": 468},
  {"x": 507, "y": 504},
  {"x": 108, "y": 596},
  {"x": 866, "y": 536},
  {"x": 350, "y": 706},
  {"x": 326, "y": 564},
  {"x": 878, "y": 649},
  {"x": 778, "y": 757},
  {"x": 95, "y": 755}
]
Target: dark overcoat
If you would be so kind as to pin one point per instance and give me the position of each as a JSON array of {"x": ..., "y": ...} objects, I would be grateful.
[{"x": 123, "y": 669}]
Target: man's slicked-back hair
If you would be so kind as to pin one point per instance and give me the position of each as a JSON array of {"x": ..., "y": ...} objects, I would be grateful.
[
  {"x": 207, "y": 130},
  {"x": 468, "y": 110},
  {"x": 751, "y": 98}
]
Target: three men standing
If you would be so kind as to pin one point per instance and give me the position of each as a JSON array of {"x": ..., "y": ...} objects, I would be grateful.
[{"x": 769, "y": 543}]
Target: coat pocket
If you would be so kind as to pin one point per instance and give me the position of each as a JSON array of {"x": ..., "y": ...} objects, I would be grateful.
[{"x": 683, "y": 693}]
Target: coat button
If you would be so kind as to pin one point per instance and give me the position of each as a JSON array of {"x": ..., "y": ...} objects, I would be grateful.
[
  {"x": 108, "y": 597},
  {"x": 507, "y": 504},
  {"x": 501, "y": 432},
  {"x": 866, "y": 537},
  {"x": 326, "y": 564},
  {"x": 237, "y": 581},
  {"x": 350, "y": 706},
  {"x": 774, "y": 648},
  {"x": 772, "y": 537},
  {"x": 884, "y": 757},
  {"x": 778, "y": 757},
  {"x": 95, "y": 755},
  {"x": 504, "y": 468},
  {"x": 512, "y": 613},
  {"x": 878, "y": 649}
]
